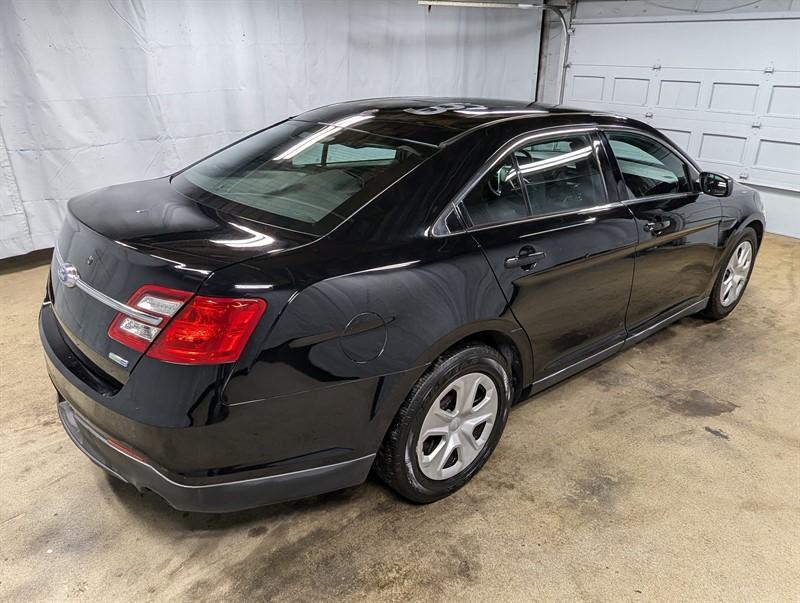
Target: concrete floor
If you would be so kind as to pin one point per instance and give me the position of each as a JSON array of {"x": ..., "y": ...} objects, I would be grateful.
[{"x": 671, "y": 471}]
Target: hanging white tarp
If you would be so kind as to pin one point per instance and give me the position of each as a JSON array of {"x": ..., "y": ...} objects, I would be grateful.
[{"x": 95, "y": 93}]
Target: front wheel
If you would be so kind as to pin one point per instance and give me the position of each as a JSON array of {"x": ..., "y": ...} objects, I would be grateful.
[
  {"x": 448, "y": 426},
  {"x": 733, "y": 277}
]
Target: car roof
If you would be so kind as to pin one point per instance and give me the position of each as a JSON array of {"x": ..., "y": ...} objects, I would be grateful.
[{"x": 429, "y": 120}]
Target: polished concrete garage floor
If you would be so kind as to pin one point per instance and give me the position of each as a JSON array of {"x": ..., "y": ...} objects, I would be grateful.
[{"x": 670, "y": 471}]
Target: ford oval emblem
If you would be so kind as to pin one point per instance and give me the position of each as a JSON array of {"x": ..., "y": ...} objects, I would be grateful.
[{"x": 68, "y": 274}]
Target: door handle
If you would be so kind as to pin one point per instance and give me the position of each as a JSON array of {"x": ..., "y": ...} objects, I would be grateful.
[
  {"x": 657, "y": 226},
  {"x": 526, "y": 258}
]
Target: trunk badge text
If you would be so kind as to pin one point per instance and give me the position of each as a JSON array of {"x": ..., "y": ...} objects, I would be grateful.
[
  {"x": 68, "y": 274},
  {"x": 118, "y": 359}
]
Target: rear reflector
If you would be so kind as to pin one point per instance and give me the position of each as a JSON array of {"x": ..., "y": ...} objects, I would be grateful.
[
  {"x": 209, "y": 330},
  {"x": 206, "y": 330},
  {"x": 125, "y": 450}
]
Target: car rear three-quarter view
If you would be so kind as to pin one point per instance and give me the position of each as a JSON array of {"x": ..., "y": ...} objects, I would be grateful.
[{"x": 371, "y": 286}]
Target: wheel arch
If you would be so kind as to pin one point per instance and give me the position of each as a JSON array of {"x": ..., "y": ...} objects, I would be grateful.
[
  {"x": 502, "y": 333},
  {"x": 511, "y": 342},
  {"x": 735, "y": 229},
  {"x": 507, "y": 338},
  {"x": 757, "y": 225}
]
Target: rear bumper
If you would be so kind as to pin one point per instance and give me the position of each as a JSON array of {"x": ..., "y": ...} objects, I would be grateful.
[
  {"x": 211, "y": 498},
  {"x": 194, "y": 468}
]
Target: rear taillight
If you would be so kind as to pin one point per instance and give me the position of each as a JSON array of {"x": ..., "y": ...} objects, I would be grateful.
[
  {"x": 206, "y": 330},
  {"x": 209, "y": 330},
  {"x": 154, "y": 300}
]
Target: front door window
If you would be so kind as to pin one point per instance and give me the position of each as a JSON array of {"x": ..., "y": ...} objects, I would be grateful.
[{"x": 648, "y": 167}]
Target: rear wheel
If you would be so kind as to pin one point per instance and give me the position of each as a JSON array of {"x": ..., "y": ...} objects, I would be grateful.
[
  {"x": 733, "y": 277},
  {"x": 448, "y": 426}
]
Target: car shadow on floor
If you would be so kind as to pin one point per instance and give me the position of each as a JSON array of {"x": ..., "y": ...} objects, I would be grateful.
[
  {"x": 709, "y": 329},
  {"x": 150, "y": 507}
]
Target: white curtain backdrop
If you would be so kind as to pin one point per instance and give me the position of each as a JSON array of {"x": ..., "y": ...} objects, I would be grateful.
[{"x": 94, "y": 93}]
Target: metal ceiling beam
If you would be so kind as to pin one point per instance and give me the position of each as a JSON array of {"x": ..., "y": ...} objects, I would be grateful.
[
  {"x": 471, "y": 4},
  {"x": 488, "y": 4}
]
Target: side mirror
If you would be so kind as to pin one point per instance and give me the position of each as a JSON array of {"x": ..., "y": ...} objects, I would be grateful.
[{"x": 717, "y": 185}]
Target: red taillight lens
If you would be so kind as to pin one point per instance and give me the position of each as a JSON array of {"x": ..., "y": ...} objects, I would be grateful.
[
  {"x": 155, "y": 300},
  {"x": 209, "y": 330}
]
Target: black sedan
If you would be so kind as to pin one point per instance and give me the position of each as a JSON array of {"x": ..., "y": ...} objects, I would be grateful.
[{"x": 370, "y": 286}]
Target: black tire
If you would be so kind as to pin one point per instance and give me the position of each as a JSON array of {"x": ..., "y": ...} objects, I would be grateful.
[
  {"x": 715, "y": 310},
  {"x": 397, "y": 463}
]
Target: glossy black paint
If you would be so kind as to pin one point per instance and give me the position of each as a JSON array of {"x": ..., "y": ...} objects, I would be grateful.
[
  {"x": 674, "y": 261},
  {"x": 572, "y": 302},
  {"x": 356, "y": 316}
]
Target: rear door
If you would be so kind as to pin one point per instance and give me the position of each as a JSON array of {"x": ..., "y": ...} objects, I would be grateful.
[
  {"x": 561, "y": 250},
  {"x": 678, "y": 227}
]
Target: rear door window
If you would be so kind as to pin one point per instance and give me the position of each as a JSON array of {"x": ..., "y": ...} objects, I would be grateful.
[
  {"x": 498, "y": 196},
  {"x": 299, "y": 175},
  {"x": 561, "y": 174},
  {"x": 540, "y": 178}
]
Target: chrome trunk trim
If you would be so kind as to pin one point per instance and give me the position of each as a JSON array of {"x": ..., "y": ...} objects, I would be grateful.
[{"x": 81, "y": 284}]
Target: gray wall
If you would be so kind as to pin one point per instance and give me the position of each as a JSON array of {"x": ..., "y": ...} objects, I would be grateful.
[{"x": 96, "y": 93}]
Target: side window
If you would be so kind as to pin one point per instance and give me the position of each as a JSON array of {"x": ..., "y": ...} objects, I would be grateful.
[
  {"x": 324, "y": 155},
  {"x": 648, "y": 167},
  {"x": 561, "y": 174},
  {"x": 497, "y": 197},
  {"x": 339, "y": 153}
]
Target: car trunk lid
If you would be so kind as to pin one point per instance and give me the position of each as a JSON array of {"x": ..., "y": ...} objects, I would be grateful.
[{"x": 116, "y": 240}]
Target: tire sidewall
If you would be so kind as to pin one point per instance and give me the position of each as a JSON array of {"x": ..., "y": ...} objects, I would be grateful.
[
  {"x": 716, "y": 308},
  {"x": 468, "y": 361}
]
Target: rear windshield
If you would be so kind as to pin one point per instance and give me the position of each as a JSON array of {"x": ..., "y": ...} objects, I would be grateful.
[{"x": 299, "y": 175}]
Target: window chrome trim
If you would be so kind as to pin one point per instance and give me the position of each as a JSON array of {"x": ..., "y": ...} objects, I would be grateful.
[
  {"x": 456, "y": 204},
  {"x": 440, "y": 228},
  {"x": 664, "y": 197},
  {"x": 81, "y": 284},
  {"x": 560, "y": 214}
]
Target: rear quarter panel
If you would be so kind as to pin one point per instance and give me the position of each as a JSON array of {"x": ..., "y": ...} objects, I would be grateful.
[{"x": 347, "y": 348}]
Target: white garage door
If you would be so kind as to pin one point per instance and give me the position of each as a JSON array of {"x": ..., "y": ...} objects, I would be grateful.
[{"x": 728, "y": 92}]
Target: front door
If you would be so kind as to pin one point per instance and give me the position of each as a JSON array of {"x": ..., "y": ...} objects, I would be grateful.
[
  {"x": 678, "y": 227},
  {"x": 563, "y": 254}
]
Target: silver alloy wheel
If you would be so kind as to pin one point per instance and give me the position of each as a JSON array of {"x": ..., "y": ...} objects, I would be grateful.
[
  {"x": 736, "y": 272},
  {"x": 457, "y": 426}
]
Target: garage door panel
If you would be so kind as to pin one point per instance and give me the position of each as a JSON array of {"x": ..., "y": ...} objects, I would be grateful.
[
  {"x": 780, "y": 155},
  {"x": 630, "y": 91},
  {"x": 630, "y": 88},
  {"x": 784, "y": 102},
  {"x": 776, "y": 158},
  {"x": 722, "y": 148},
  {"x": 685, "y": 134},
  {"x": 680, "y": 136},
  {"x": 780, "y": 105},
  {"x": 719, "y": 95},
  {"x": 734, "y": 108},
  {"x": 678, "y": 92},
  {"x": 586, "y": 88},
  {"x": 732, "y": 97}
]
